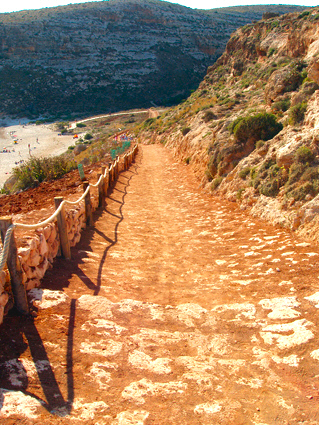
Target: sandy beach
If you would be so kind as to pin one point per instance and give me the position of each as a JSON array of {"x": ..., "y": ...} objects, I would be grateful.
[{"x": 20, "y": 140}]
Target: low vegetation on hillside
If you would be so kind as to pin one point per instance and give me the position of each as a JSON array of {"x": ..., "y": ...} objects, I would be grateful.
[
  {"x": 98, "y": 139},
  {"x": 249, "y": 131}
]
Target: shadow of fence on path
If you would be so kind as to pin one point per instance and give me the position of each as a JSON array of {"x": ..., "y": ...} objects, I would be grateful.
[
  {"x": 17, "y": 338},
  {"x": 21, "y": 332}
]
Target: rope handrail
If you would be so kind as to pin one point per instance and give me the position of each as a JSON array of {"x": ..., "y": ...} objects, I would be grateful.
[
  {"x": 78, "y": 200},
  {"x": 42, "y": 223},
  {"x": 98, "y": 182},
  {"x": 5, "y": 249}
]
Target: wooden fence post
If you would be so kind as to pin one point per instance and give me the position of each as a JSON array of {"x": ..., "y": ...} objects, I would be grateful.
[
  {"x": 110, "y": 173},
  {"x": 105, "y": 183},
  {"x": 116, "y": 169},
  {"x": 108, "y": 176},
  {"x": 15, "y": 269},
  {"x": 63, "y": 229},
  {"x": 88, "y": 206},
  {"x": 101, "y": 191}
]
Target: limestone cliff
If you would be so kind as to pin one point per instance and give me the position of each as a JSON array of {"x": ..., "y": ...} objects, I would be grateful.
[
  {"x": 251, "y": 130},
  {"x": 105, "y": 56}
]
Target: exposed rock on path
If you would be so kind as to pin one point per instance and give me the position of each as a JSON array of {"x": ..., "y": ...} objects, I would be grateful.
[{"x": 175, "y": 308}]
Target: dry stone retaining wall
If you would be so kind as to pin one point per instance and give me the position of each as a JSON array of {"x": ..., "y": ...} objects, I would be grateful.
[{"x": 41, "y": 249}]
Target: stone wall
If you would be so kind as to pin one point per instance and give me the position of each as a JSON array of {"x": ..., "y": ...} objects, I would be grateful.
[{"x": 40, "y": 247}]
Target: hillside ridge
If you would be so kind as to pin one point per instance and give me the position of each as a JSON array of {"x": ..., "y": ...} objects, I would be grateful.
[{"x": 96, "y": 57}]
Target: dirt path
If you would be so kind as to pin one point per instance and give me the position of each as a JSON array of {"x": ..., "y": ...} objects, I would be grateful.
[{"x": 175, "y": 309}]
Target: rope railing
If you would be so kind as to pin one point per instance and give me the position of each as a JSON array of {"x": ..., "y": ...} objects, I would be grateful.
[
  {"x": 6, "y": 246},
  {"x": 78, "y": 200},
  {"x": 98, "y": 182},
  {"x": 7, "y": 226}
]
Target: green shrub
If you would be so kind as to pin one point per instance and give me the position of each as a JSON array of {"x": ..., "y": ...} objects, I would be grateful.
[
  {"x": 295, "y": 172},
  {"x": 282, "y": 105},
  {"x": 80, "y": 124},
  {"x": 259, "y": 144},
  {"x": 148, "y": 123},
  {"x": 269, "y": 178},
  {"x": 243, "y": 173},
  {"x": 302, "y": 191},
  {"x": 297, "y": 113},
  {"x": 262, "y": 126},
  {"x": 88, "y": 136},
  {"x": 36, "y": 170},
  {"x": 208, "y": 116},
  {"x": 271, "y": 51},
  {"x": 270, "y": 188},
  {"x": 255, "y": 183},
  {"x": 304, "y": 155},
  {"x": 274, "y": 24},
  {"x": 310, "y": 174},
  {"x": 240, "y": 192},
  {"x": 303, "y": 14},
  {"x": 61, "y": 125},
  {"x": 208, "y": 175},
  {"x": 216, "y": 182},
  {"x": 253, "y": 173},
  {"x": 185, "y": 130}
]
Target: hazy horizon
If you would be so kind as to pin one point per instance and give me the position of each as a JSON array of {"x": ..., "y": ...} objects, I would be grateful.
[{"x": 18, "y": 5}]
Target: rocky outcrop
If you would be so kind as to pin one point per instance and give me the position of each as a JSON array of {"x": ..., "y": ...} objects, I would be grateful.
[{"x": 268, "y": 73}]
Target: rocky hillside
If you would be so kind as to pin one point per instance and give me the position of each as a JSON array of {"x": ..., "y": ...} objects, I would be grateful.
[
  {"x": 251, "y": 130},
  {"x": 105, "y": 56}
]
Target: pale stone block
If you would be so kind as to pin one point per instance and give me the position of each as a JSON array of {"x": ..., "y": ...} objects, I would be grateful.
[
  {"x": 3, "y": 279},
  {"x": 41, "y": 269},
  {"x": 33, "y": 243},
  {"x": 34, "y": 259},
  {"x": 30, "y": 273},
  {"x": 24, "y": 253},
  {"x": 43, "y": 247},
  {"x": 53, "y": 235},
  {"x": 47, "y": 231}
]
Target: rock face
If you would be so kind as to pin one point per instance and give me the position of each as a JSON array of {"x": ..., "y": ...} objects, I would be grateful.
[
  {"x": 267, "y": 74},
  {"x": 105, "y": 56}
]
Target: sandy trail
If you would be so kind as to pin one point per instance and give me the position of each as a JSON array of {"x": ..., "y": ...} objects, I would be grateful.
[{"x": 176, "y": 308}]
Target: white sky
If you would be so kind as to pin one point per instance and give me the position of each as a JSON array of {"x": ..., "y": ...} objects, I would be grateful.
[{"x": 16, "y": 5}]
